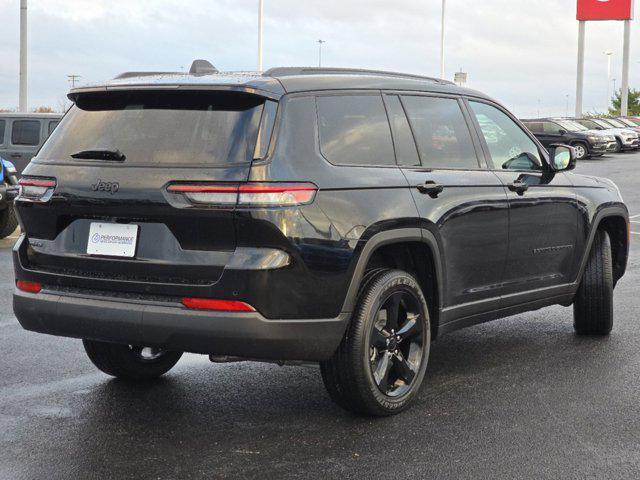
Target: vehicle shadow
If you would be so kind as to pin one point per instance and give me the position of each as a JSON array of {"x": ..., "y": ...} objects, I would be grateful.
[{"x": 226, "y": 419}]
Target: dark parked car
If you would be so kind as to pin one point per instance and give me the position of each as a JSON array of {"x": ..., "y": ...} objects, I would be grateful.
[
  {"x": 626, "y": 138},
  {"x": 586, "y": 143},
  {"x": 304, "y": 215}
]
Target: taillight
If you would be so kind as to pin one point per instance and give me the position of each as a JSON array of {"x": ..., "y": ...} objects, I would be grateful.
[
  {"x": 26, "y": 286},
  {"x": 248, "y": 194},
  {"x": 217, "y": 305},
  {"x": 36, "y": 189}
]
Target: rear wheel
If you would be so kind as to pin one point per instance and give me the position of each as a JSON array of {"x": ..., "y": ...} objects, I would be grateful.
[
  {"x": 130, "y": 362},
  {"x": 581, "y": 151},
  {"x": 593, "y": 305},
  {"x": 379, "y": 367},
  {"x": 8, "y": 221}
]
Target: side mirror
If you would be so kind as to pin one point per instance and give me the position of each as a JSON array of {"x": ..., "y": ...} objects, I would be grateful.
[
  {"x": 562, "y": 132},
  {"x": 562, "y": 158}
]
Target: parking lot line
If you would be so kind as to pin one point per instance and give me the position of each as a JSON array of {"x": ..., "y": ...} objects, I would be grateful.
[
  {"x": 635, "y": 233},
  {"x": 634, "y": 216}
]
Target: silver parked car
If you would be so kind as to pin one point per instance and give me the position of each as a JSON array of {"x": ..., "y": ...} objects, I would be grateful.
[{"x": 22, "y": 134}]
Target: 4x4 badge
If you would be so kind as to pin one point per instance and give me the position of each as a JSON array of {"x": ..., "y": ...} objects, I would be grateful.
[{"x": 100, "y": 186}]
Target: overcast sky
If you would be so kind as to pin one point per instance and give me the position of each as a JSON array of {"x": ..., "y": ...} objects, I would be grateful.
[{"x": 521, "y": 52}]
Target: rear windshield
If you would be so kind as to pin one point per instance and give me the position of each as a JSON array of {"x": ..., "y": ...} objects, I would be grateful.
[{"x": 160, "y": 128}]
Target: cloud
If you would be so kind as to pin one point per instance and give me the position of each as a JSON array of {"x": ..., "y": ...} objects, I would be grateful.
[{"x": 520, "y": 52}]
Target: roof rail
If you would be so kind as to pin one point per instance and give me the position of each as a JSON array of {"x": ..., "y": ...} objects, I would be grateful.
[{"x": 290, "y": 71}]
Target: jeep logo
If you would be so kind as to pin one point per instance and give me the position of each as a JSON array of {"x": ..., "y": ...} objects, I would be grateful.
[{"x": 100, "y": 186}]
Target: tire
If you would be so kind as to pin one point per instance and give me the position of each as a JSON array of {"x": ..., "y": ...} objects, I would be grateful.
[
  {"x": 382, "y": 380},
  {"x": 8, "y": 221},
  {"x": 618, "y": 146},
  {"x": 130, "y": 363},
  {"x": 593, "y": 305},
  {"x": 581, "y": 151}
]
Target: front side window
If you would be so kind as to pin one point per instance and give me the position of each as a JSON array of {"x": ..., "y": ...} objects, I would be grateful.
[
  {"x": 3, "y": 125},
  {"x": 354, "y": 130},
  {"x": 26, "y": 132},
  {"x": 553, "y": 128},
  {"x": 441, "y": 132},
  {"x": 510, "y": 147}
]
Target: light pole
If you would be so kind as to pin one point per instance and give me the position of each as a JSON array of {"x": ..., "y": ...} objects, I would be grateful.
[
  {"x": 608, "y": 53},
  {"x": 260, "y": 20},
  {"x": 320, "y": 42},
  {"x": 23, "y": 102},
  {"x": 444, "y": 5}
]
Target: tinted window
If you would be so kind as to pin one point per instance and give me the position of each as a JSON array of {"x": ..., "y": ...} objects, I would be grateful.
[
  {"x": 553, "y": 128},
  {"x": 405, "y": 145},
  {"x": 535, "y": 126},
  {"x": 441, "y": 132},
  {"x": 52, "y": 126},
  {"x": 266, "y": 129},
  {"x": 354, "y": 130},
  {"x": 510, "y": 147},
  {"x": 26, "y": 132},
  {"x": 168, "y": 128},
  {"x": 3, "y": 125}
]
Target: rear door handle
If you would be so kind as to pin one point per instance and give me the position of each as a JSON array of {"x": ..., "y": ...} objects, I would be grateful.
[
  {"x": 15, "y": 155},
  {"x": 431, "y": 188},
  {"x": 519, "y": 187}
]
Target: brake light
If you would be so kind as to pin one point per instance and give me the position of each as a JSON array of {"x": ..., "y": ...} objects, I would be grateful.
[
  {"x": 26, "y": 286},
  {"x": 248, "y": 195},
  {"x": 36, "y": 189},
  {"x": 217, "y": 305}
]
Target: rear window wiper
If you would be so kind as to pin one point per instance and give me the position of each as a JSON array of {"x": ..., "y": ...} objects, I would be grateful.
[{"x": 101, "y": 154}]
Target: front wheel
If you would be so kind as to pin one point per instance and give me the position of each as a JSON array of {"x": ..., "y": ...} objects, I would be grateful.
[
  {"x": 581, "y": 151},
  {"x": 130, "y": 362},
  {"x": 593, "y": 305},
  {"x": 381, "y": 362}
]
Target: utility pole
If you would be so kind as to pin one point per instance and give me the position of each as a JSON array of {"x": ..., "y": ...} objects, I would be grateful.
[
  {"x": 580, "y": 76},
  {"x": 444, "y": 5},
  {"x": 260, "y": 20},
  {"x": 624, "y": 90},
  {"x": 608, "y": 54},
  {"x": 320, "y": 42},
  {"x": 72, "y": 80},
  {"x": 23, "y": 101}
]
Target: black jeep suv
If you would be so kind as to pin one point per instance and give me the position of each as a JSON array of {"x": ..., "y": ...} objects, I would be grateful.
[{"x": 336, "y": 216}]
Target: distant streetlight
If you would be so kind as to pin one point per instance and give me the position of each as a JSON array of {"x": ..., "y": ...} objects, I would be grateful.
[
  {"x": 260, "y": 20},
  {"x": 567, "y": 106},
  {"x": 320, "y": 42},
  {"x": 444, "y": 5},
  {"x": 608, "y": 53}
]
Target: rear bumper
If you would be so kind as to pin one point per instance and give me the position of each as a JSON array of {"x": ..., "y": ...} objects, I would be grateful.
[{"x": 175, "y": 327}]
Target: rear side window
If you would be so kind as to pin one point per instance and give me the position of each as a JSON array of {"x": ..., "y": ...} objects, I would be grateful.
[
  {"x": 354, "y": 130},
  {"x": 161, "y": 128},
  {"x": 441, "y": 132},
  {"x": 25, "y": 132},
  {"x": 3, "y": 125}
]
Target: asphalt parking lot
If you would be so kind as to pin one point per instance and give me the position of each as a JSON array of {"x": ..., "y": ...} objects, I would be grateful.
[{"x": 521, "y": 397}]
